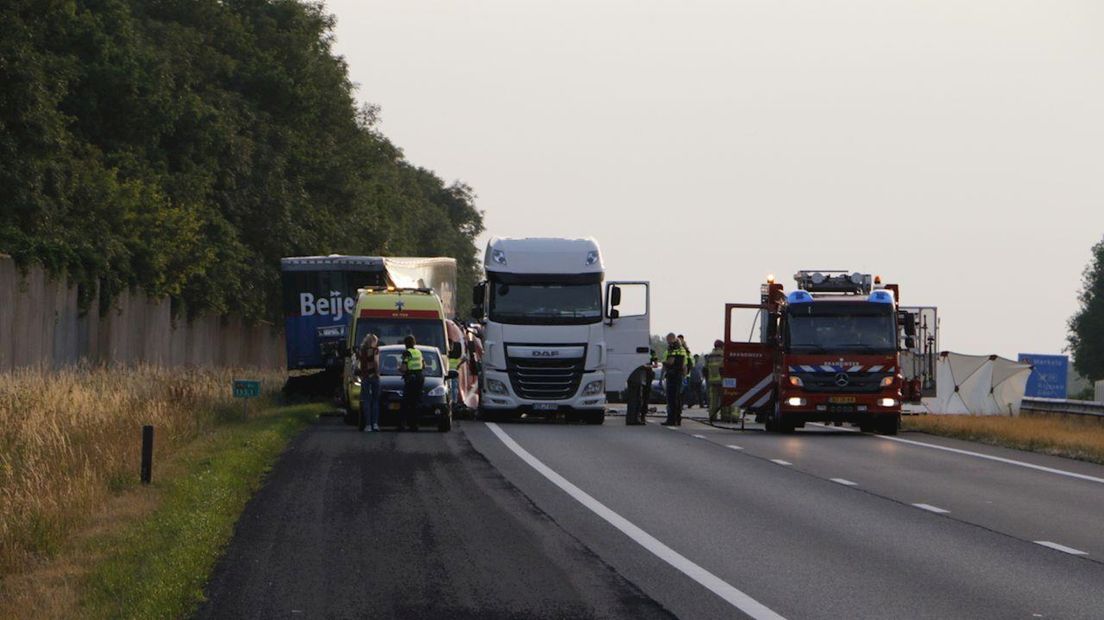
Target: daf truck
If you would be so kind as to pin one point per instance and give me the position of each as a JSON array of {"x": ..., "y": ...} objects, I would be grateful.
[{"x": 557, "y": 337}]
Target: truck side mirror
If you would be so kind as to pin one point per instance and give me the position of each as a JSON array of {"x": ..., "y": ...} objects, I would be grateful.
[
  {"x": 614, "y": 313},
  {"x": 910, "y": 323},
  {"x": 477, "y": 312},
  {"x": 614, "y": 299},
  {"x": 910, "y": 342}
]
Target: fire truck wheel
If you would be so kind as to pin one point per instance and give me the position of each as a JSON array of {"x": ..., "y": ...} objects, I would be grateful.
[
  {"x": 786, "y": 425},
  {"x": 867, "y": 426},
  {"x": 888, "y": 425}
]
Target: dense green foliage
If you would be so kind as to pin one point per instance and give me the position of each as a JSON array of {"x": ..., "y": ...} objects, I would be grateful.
[
  {"x": 183, "y": 146},
  {"x": 1086, "y": 335}
]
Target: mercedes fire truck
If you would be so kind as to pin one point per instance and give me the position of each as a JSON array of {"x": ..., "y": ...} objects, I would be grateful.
[
  {"x": 553, "y": 342},
  {"x": 825, "y": 352}
]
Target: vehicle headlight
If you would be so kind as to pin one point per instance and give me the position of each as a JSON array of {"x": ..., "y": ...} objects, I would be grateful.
[
  {"x": 437, "y": 391},
  {"x": 887, "y": 402},
  {"x": 494, "y": 386},
  {"x": 887, "y": 381},
  {"x": 594, "y": 387},
  {"x": 796, "y": 401},
  {"x": 796, "y": 381}
]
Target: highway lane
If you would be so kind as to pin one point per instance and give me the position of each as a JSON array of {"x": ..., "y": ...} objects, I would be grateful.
[
  {"x": 412, "y": 525},
  {"x": 800, "y": 544},
  {"x": 1023, "y": 502},
  {"x": 461, "y": 525}
]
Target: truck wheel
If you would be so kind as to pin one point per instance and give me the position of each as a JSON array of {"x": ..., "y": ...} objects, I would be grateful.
[
  {"x": 888, "y": 425},
  {"x": 867, "y": 425},
  {"x": 595, "y": 418},
  {"x": 785, "y": 425}
]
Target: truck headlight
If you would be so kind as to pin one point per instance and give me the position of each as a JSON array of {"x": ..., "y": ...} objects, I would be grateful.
[
  {"x": 796, "y": 381},
  {"x": 437, "y": 391},
  {"x": 887, "y": 381},
  {"x": 594, "y": 387},
  {"x": 494, "y": 386},
  {"x": 796, "y": 401},
  {"x": 887, "y": 402}
]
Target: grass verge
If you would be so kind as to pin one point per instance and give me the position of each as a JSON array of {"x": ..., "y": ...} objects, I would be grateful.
[
  {"x": 157, "y": 567},
  {"x": 1059, "y": 436}
]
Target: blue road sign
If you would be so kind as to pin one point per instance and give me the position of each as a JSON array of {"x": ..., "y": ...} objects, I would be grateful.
[
  {"x": 246, "y": 388},
  {"x": 1048, "y": 379}
]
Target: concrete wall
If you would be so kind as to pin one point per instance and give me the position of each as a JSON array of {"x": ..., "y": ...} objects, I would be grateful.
[{"x": 41, "y": 325}]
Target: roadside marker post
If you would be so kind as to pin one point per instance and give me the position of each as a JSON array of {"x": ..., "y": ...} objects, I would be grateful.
[
  {"x": 246, "y": 389},
  {"x": 147, "y": 454}
]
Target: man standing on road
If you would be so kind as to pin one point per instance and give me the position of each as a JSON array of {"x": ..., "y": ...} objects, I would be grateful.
[
  {"x": 714, "y": 362},
  {"x": 639, "y": 387},
  {"x": 674, "y": 368},
  {"x": 413, "y": 382},
  {"x": 694, "y": 387},
  {"x": 368, "y": 371}
]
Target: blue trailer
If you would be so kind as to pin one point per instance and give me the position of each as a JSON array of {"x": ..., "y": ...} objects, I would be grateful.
[{"x": 320, "y": 293}]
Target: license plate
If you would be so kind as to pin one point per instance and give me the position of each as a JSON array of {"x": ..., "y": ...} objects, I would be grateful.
[
  {"x": 841, "y": 400},
  {"x": 545, "y": 407},
  {"x": 394, "y": 406}
]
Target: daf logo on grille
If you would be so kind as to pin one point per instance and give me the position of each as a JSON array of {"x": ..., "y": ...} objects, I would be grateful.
[
  {"x": 539, "y": 353},
  {"x": 842, "y": 379}
]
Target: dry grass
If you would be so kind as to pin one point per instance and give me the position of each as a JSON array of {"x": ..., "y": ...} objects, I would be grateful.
[
  {"x": 1068, "y": 436},
  {"x": 69, "y": 438}
]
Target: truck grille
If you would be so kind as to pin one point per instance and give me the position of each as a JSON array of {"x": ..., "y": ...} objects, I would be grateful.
[
  {"x": 535, "y": 379},
  {"x": 858, "y": 382}
]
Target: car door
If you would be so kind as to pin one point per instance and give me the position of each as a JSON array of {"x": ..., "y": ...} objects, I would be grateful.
[
  {"x": 627, "y": 331},
  {"x": 748, "y": 373}
]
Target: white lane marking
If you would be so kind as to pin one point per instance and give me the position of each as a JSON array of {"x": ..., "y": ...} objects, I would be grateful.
[
  {"x": 1062, "y": 548},
  {"x": 844, "y": 482},
  {"x": 734, "y": 447},
  {"x": 699, "y": 436},
  {"x": 936, "y": 509},
  {"x": 721, "y": 588},
  {"x": 1050, "y": 470},
  {"x": 671, "y": 428},
  {"x": 781, "y": 462}
]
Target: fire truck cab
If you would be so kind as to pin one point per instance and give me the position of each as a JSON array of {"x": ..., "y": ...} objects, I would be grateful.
[{"x": 825, "y": 352}]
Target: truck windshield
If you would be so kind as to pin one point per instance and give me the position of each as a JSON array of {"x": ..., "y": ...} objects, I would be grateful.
[
  {"x": 393, "y": 331},
  {"x": 851, "y": 327},
  {"x": 541, "y": 304}
]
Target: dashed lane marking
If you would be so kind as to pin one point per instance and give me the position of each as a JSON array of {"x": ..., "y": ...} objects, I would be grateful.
[
  {"x": 844, "y": 482},
  {"x": 699, "y": 436},
  {"x": 781, "y": 462},
  {"x": 713, "y": 583},
  {"x": 1062, "y": 548},
  {"x": 734, "y": 447},
  {"x": 936, "y": 509}
]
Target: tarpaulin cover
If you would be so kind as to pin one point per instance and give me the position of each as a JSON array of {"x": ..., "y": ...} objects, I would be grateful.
[{"x": 978, "y": 385}]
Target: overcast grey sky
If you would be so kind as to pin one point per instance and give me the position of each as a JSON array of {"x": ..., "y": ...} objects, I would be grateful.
[{"x": 956, "y": 147}]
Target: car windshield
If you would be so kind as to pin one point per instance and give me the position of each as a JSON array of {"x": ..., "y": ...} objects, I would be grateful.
[
  {"x": 391, "y": 363},
  {"x": 851, "y": 328},
  {"x": 394, "y": 331},
  {"x": 537, "y": 304}
]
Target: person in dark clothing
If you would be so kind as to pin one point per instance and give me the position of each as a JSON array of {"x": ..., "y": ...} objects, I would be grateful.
[
  {"x": 413, "y": 381},
  {"x": 694, "y": 384},
  {"x": 639, "y": 387},
  {"x": 674, "y": 369}
]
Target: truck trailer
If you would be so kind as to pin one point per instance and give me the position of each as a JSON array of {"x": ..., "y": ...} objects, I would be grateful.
[{"x": 826, "y": 352}]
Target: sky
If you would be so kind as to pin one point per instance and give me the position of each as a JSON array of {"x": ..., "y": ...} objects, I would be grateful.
[{"x": 956, "y": 148}]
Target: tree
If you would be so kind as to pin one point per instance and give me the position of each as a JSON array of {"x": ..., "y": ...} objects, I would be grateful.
[{"x": 1086, "y": 327}]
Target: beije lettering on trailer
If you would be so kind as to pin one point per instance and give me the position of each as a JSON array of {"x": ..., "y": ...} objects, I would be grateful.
[{"x": 309, "y": 306}]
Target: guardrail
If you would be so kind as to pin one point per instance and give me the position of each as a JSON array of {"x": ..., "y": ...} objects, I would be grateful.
[{"x": 1063, "y": 406}]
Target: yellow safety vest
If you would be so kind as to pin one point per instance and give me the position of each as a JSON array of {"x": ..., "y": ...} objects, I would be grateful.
[
  {"x": 714, "y": 362},
  {"x": 413, "y": 360},
  {"x": 454, "y": 363},
  {"x": 678, "y": 351}
]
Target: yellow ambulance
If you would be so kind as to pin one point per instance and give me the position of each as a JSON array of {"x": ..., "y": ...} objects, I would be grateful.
[{"x": 391, "y": 314}]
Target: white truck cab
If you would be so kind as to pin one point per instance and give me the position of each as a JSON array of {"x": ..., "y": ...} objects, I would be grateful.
[{"x": 556, "y": 336}]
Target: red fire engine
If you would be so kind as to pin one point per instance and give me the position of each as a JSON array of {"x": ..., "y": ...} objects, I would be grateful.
[{"x": 826, "y": 352}]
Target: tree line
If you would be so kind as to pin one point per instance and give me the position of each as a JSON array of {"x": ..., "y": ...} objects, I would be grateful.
[{"x": 182, "y": 147}]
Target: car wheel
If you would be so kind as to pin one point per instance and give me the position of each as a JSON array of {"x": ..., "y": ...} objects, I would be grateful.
[{"x": 598, "y": 417}]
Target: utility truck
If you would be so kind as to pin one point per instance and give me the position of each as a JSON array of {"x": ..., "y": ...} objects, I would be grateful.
[
  {"x": 556, "y": 337},
  {"x": 826, "y": 352}
]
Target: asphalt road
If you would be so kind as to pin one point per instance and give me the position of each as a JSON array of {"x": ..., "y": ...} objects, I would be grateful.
[{"x": 533, "y": 519}]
